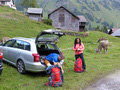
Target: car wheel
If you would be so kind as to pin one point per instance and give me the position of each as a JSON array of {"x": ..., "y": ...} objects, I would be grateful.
[
  {"x": 21, "y": 67},
  {"x": 0, "y": 71}
]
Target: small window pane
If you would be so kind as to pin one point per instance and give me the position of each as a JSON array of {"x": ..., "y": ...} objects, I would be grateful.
[
  {"x": 26, "y": 46},
  {"x": 51, "y": 46},
  {"x": 20, "y": 44},
  {"x": 42, "y": 46},
  {"x": 61, "y": 17}
]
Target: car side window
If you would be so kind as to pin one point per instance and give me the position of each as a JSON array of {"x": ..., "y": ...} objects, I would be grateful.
[
  {"x": 22, "y": 45},
  {"x": 19, "y": 44},
  {"x": 9, "y": 43},
  {"x": 27, "y": 46}
]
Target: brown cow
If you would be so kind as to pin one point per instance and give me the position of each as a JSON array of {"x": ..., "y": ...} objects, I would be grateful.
[{"x": 103, "y": 45}]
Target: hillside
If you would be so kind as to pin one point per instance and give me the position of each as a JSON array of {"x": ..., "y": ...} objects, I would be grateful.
[
  {"x": 15, "y": 24},
  {"x": 98, "y": 12}
]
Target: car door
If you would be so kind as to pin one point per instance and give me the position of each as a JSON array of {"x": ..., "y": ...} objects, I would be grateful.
[
  {"x": 5, "y": 49},
  {"x": 50, "y": 35},
  {"x": 15, "y": 50}
]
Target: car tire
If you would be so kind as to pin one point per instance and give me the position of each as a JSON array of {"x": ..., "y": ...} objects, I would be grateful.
[
  {"x": 0, "y": 72},
  {"x": 21, "y": 67}
]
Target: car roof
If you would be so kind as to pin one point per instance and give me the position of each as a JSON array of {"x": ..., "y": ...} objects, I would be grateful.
[
  {"x": 25, "y": 39},
  {"x": 30, "y": 40}
]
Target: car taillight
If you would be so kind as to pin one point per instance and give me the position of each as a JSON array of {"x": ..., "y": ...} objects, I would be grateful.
[
  {"x": 1, "y": 55},
  {"x": 36, "y": 57}
]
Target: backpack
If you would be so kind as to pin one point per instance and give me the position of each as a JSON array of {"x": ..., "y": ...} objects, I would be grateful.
[
  {"x": 56, "y": 77},
  {"x": 78, "y": 65}
]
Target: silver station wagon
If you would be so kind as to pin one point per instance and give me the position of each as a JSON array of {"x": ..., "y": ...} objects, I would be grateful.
[{"x": 27, "y": 53}]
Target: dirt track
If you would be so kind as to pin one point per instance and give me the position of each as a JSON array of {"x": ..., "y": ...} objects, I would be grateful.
[{"x": 110, "y": 82}]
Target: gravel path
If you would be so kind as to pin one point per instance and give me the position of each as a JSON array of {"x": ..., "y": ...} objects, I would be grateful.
[{"x": 110, "y": 82}]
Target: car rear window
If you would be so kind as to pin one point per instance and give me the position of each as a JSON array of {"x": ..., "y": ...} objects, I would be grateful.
[
  {"x": 47, "y": 46},
  {"x": 48, "y": 37},
  {"x": 45, "y": 49}
]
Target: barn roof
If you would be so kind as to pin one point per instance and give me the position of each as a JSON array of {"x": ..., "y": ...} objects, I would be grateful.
[
  {"x": 82, "y": 18},
  {"x": 114, "y": 29},
  {"x": 63, "y": 8},
  {"x": 35, "y": 10},
  {"x": 116, "y": 33}
]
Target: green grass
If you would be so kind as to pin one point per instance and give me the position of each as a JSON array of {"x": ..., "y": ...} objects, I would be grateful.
[
  {"x": 13, "y": 21},
  {"x": 15, "y": 24}
]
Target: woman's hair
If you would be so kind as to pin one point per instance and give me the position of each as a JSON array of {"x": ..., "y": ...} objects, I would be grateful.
[{"x": 75, "y": 42}]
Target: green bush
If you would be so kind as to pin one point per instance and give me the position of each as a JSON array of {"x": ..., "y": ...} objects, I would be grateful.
[{"x": 47, "y": 21}]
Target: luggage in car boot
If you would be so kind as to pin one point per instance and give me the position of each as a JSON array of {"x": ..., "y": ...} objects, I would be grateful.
[
  {"x": 56, "y": 77},
  {"x": 78, "y": 65}
]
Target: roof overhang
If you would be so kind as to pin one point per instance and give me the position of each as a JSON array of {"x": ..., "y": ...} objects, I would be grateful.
[{"x": 63, "y": 8}]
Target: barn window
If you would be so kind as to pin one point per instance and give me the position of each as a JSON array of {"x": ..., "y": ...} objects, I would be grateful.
[
  {"x": 82, "y": 22},
  {"x": 61, "y": 17}
]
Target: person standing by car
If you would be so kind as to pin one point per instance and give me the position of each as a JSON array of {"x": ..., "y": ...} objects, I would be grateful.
[
  {"x": 53, "y": 59},
  {"x": 78, "y": 51}
]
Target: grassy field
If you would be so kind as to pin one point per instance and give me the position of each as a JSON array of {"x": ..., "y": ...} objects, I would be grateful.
[
  {"x": 98, "y": 65},
  {"x": 14, "y": 24}
]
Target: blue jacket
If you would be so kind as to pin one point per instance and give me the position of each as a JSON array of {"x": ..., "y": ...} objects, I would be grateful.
[{"x": 53, "y": 57}]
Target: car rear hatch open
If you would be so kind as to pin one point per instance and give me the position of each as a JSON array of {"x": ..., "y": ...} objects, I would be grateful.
[{"x": 50, "y": 35}]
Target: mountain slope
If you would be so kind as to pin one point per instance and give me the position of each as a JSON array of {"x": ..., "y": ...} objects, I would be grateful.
[
  {"x": 97, "y": 12},
  {"x": 15, "y": 24}
]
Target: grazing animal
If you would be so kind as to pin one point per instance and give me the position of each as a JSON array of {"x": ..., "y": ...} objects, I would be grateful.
[
  {"x": 85, "y": 34},
  {"x": 101, "y": 39},
  {"x": 103, "y": 45},
  {"x": 4, "y": 39}
]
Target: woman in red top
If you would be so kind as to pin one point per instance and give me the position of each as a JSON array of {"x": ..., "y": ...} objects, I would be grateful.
[{"x": 78, "y": 50}]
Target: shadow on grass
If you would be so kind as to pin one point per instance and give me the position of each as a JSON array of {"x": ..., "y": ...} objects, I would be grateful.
[
  {"x": 38, "y": 74},
  {"x": 31, "y": 74}
]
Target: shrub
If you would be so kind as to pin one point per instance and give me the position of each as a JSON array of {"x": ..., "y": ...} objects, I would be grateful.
[{"x": 47, "y": 21}]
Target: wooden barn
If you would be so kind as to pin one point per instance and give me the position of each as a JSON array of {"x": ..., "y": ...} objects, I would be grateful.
[
  {"x": 116, "y": 33},
  {"x": 66, "y": 20},
  {"x": 35, "y": 13}
]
